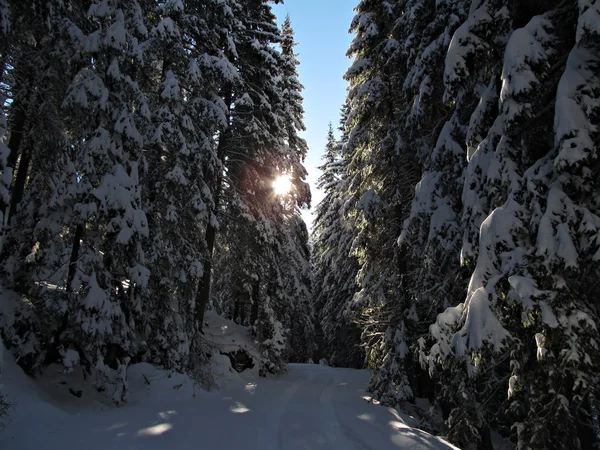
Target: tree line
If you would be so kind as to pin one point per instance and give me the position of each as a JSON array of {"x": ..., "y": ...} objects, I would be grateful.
[
  {"x": 457, "y": 248},
  {"x": 140, "y": 142}
]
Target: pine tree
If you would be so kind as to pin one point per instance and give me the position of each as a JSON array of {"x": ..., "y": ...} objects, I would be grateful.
[
  {"x": 299, "y": 288},
  {"x": 509, "y": 182},
  {"x": 160, "y": 124},
  {"x": 380, "y": 174},
  {"x": 293, "y": 113},
  {"x": 296, "y": 257},
  {"x": 214, "y": 171},
  {"x": 187, "y": 113},
  {"x": 111, "y": 272},
  {"x": 428, "y": 234},
  {"x": 257, "y": 226},
  {"x": 38, "y": 207},
  {"x": 335, "y": 270},
  {"x": 503, "y": 200}
]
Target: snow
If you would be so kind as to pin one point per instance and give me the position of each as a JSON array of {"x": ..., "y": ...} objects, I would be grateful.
[
  {"x": 572, "y": 126},
  {"x": 139, "y": 275},
  {"x": 174, "y": 5},
  {"x": 512, "y": 385},
  {"x": 554, "y": 239},
  {"x": 476, "y": 123},
  {"x": 116, "y": 36},
  {"x": 442, "y": 331},
  {"x": 481, "y": 325},
  {"x": 100, "y": 9},
  {"x": 589, "y": 21},
  {"x": 527, "y": 290},
  {"x": 311, "y": 406},
  {"x": 464, "y": 43},
  {"x": 70, "y": 359},
  {"x": 525, "y": 49},
  {"x": 171, "y": 87},
  {"x": 166, "y": 29}
]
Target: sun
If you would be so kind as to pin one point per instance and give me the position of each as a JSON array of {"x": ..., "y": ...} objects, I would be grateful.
[{"x": 282, "y": 184}]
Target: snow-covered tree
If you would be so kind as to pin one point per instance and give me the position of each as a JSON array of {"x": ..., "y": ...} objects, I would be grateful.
[
  {"x": 259, "y": 237},
  {"x": 38, "y": 210},
  {"x": 159, "y": 124},
  {"x": 335, "y": 269},
  {"x": 299, "y": 287},
  {"x": 109, "y": 159},
  {"x": 516, "y": 207},
  {"x": 381, "y": 171},
  {"x": 293, "y": 113},
  {"x": 492, "y": 105},
  {"x": 187, "y": 112}
]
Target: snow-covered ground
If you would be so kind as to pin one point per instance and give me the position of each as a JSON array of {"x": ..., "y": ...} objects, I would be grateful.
[{"x": 310, "y": 407}]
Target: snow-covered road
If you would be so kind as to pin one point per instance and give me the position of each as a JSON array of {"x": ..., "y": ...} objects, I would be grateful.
[
  {"x": 311, "y": 407},
  {"x": 329, "y": 410}
]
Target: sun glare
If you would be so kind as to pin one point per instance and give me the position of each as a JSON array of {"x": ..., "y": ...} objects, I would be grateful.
[{"x": 282, "y": 184}]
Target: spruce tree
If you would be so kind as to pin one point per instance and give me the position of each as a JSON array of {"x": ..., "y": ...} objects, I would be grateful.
[
  {"x": 500, "y": 234},
  {"x": 380, "y": 174},
  {"x": 258, "y": 227},
  {"x": 335, "y": 270},
  {"x": 187, "y": 113}
]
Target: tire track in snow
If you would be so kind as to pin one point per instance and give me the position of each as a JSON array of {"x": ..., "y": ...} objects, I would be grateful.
[
  {"x": 269, "y": 438},
  {"x": 334, "y": 430},
  {"x": 310, "y": 421}
]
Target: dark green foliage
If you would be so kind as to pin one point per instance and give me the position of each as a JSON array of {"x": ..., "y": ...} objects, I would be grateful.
[
  {"x": 481, "y": 274},
  {"x": 143, "y": 167}
]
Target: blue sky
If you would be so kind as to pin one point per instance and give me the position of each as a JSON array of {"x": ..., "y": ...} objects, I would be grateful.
[{"x": 321, "y": 31}]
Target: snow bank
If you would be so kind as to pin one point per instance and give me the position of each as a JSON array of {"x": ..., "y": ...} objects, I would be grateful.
[{"x": 227, "y": 337}]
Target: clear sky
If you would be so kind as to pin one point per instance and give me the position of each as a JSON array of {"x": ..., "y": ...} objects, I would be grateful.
[{"x": 321, "y": 32}]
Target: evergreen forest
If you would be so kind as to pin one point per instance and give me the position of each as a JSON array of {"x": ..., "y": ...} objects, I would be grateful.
[{"x": 152, "y": 169}]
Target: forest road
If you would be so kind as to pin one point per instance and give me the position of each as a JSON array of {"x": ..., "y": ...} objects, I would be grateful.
[
  {"x": 309, "y": 407},
  {"x": 309, "y": 419},
  {"x": 319, "y": 407}
]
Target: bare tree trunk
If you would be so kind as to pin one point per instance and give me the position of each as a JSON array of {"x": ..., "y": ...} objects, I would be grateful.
[
  {"x": 3, "y": 63},
  {"x": 19, "y": 184},
  {"x": 236, "y": 310},
  {"x": 17, "y": 127},
  {"x": 74, "y": 257},
  {"x": 242, "y": 312},
  {"x": 204, "y": 288},
  {"x": 203, "y": 294},
  {"x": 255, "y": 301}
]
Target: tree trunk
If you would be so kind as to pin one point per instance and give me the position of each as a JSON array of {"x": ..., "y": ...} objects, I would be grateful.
[
  {"x": 74, "y": 257},
  {"x": 204, "y": 288},
  {"x": 19, "y": 184},
  {"x": 586, "y": 429},
  {"x": 3, "y": 64},
  {"x": 203, "y": 294},
  {"x": 236, "y": 310},
  {"x": 255, "y": 301},
  {"x": 17, "y": 126},
  {"x": 242, "y": 313},
  {"x": 486, "y": 439}
]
